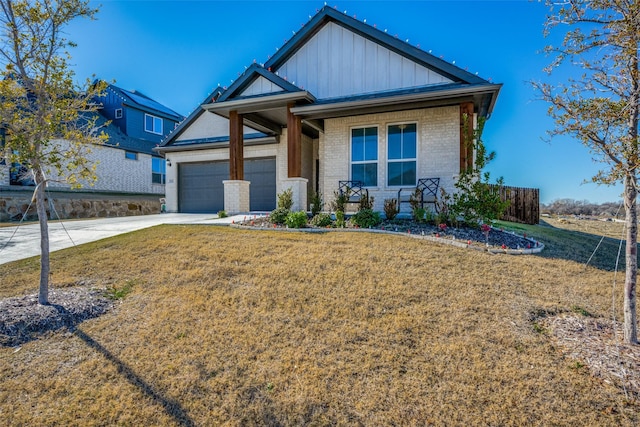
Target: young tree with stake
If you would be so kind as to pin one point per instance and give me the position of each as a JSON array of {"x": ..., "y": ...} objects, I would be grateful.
[
  {"x": 49, "y": 122},
  {"x": 601, "y": 106}
]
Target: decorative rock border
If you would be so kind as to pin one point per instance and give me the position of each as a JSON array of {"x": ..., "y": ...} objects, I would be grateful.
[{"x": 536, "y": 248}]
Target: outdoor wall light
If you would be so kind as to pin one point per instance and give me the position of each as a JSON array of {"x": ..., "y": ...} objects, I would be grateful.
[{"x": 168, "y": 162}]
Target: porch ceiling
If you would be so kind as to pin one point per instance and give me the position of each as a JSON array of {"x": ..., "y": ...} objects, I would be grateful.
[{"x": 267, "y": 113}]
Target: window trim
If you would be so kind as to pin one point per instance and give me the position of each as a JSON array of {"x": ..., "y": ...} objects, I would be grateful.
[
  {"x": 402, "y": 160},
  {"x": 118, "y": 113},
  {"x": 365, "y": 162},
  {"x": 153, "y": 123},
  {"x": 163, "y": 174}
]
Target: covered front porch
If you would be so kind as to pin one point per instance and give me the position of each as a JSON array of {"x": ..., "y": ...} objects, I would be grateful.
[{"x": 272, "y": 115}]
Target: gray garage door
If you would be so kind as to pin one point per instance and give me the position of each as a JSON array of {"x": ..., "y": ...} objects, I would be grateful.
[{"x": 200, "y": 187}]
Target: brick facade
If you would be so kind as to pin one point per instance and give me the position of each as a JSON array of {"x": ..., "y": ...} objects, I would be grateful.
[{"x": 437, "y": 151}]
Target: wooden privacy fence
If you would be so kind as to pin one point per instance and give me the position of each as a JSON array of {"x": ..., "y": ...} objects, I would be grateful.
[{"x": 524, "y": 204}]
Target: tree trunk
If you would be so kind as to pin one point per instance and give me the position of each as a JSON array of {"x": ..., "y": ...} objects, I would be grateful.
[
  {"x": 630, "y": 319},
  {"x": 43, "y": 294}
]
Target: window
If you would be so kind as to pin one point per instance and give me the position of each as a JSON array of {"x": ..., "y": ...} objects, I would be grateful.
[
  {"x": 118, "y": 113},
  {"x": 401, "y": 155},
  {"x": 152, "y": 124},
  {"x": 158, "y": 170},
  {"x": 130, "y": 155},
  {"x": 364, "y": 156}
]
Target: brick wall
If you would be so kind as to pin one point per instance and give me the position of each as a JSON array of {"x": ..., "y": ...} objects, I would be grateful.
[
  {"x": 438, "y": 149},
  {"x": 115, "y": 173}
]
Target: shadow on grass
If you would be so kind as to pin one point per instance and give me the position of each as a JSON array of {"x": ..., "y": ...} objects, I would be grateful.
[
  {"x": 574, "y": 245},
  {"x": 22, "y": 319},
  {"x": 171, "y": 407}
]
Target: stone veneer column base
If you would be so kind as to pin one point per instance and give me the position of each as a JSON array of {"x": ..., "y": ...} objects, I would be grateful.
[
  {"x": 299, "y": 188},
  {"x": 236, "y": 196}
]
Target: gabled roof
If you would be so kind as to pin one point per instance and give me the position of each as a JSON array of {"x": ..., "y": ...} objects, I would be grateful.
[
  {"x": 197, "y": 112},
  {"x": 250, "y": 75},
  {"x": 142, "y": 102},
  {"x": 328, "y": 14},
  {"x": 117, "y": 138}
]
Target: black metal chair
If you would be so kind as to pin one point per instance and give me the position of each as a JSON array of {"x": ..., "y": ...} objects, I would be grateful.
[
  {"x": 428, "y": 193},
  {"x": 354, "y": 189}
]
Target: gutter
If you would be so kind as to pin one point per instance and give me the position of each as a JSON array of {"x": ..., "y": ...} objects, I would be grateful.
[{"x": 324, "y": 110}]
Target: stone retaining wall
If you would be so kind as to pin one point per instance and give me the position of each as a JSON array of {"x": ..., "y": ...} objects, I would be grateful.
[{"x": 66, "y": 205}]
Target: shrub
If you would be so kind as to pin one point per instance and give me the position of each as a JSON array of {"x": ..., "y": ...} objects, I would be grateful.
[
  {"x": 296, "y": 219},
  {"x": 476, "y": 200},
  {"x": 339, "y": 201},
  {"x": 321, "y": 220},
  {"x": 366, "y": 203},
  {"x": 222, "y": 214},
  {"x": 340, "y": 219},
  {"x": 279, "y": 216},
  {"x": 366, "y": 218},
  {"x": 285, "y": 199},
  {"x": 316, "y": 203},
  {"x": 415, "y": 198},
  {"x": 419, "y": 214},
  {"x": 390, "y": 208}
]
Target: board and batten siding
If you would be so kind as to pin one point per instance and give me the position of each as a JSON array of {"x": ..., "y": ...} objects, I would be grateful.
[
  {"x": 336, "y": 62},
  {"x": 261, "y": 86},
  {"x": 209, "y": 125}
]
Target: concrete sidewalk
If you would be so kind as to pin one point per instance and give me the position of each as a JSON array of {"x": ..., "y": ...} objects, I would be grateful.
[{"x": 24, "y": 241}]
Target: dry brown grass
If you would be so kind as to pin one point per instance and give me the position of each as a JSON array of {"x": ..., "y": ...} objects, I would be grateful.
[{"x": 238, "y": 327}]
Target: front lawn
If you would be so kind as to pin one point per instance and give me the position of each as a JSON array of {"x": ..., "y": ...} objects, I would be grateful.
[{"x": 233, "y": 327}]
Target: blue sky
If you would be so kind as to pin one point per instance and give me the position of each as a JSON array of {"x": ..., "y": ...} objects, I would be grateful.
[{"x": 178, "y": 51}]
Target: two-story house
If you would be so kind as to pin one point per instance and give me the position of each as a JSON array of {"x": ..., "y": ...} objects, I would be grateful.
[{"x": 127, "y": 163}]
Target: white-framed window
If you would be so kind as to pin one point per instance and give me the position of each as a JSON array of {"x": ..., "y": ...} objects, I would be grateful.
[
  {"x": 131, "y": 155},
  {"x": 364, "y": 155},
  {"x": 402, "y": 141},
  {"x": 152, "y": 124},
  {"x": 118, "y": 113},
  {"x": 158, "y": 170}
]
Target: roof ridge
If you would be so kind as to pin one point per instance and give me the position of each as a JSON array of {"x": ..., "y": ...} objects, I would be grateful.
[{"x": 328, "y": 14}]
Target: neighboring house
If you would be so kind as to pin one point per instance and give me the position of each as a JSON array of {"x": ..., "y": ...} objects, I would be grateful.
[
  {"x": 339, "y": 101},
  {"x": 127, "y": 162}
]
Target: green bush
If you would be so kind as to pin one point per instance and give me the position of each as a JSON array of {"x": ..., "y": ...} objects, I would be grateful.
[
  {"x": 321, "y": 220},
  {"x": 366, "y": 218},
  {"x": 285, "y": 199},
  {"x": 340, "y": 219},
  {"x": 279, "y": 216},
  {"x": 419, "y": 214},
  {"x": 316, "y": 203},
  {"x": 222, "y": 214},
  {"x": 296, "y": 219},
  {"x": 391, "y": 208}
]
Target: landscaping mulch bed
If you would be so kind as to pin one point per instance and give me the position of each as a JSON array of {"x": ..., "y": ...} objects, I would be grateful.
[
  {"x": 596, "y": 344},
  {"x": 23, "y": 318},
  {"x": 495, "y": 239}
]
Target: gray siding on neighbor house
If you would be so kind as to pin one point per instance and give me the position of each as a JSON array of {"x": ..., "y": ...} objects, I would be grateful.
[{"x": 336, "y": 62}]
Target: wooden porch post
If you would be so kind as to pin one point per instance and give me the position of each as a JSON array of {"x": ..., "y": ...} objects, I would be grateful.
[
  {"x": 236, "y": 146},
  {"x": 466, "y": 136},
  {"x": 294, "y": 144}
]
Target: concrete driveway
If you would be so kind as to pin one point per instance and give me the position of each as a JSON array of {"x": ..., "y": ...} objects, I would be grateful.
[{"x": 24, "y": 241}]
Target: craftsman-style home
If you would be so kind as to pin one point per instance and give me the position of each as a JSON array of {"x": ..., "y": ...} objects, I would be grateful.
[{"x": 340, "y": 102}]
